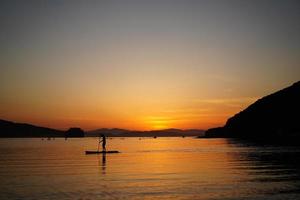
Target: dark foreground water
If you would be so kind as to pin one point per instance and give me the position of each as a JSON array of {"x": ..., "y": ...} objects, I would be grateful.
[{"x": 147, "y": 168}]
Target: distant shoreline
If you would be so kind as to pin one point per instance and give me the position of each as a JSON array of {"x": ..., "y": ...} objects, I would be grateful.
[
  {"x": 108, "y": 136},
  {"x": 10, "y": 129}
]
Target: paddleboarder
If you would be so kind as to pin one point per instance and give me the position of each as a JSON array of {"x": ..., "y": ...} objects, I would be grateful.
[{"x": 102, "y": 139}]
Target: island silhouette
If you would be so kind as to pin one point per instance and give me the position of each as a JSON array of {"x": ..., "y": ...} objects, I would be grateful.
[{"x": 18, "y": 130}]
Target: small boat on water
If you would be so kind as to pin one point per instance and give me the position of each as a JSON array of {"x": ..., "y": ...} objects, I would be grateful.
[{"x": 100, "y": 152}]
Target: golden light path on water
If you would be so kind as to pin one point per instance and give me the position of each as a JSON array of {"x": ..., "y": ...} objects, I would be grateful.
[{"x": 147, "y": 168}]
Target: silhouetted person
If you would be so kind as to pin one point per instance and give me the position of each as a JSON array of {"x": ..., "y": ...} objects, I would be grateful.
[{"x": 102, "y": 139}]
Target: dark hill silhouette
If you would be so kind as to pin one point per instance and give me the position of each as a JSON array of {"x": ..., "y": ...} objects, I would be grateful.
[
  {"x": 74, "y": 132},
  {"x": 274, "y": 117},
  {"x": 12, "y": 129}
]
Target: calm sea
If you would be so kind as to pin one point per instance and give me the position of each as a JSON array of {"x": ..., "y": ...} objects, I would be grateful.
[{"x": 147, "y": 168}]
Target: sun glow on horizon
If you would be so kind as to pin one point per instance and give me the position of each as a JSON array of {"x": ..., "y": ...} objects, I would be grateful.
[
  {"x": 158, "y": 123},
  {"x": 194, "y": 114}
]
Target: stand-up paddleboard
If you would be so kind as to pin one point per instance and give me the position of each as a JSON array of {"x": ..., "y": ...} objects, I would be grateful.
[{"x": 100, "y": 152}]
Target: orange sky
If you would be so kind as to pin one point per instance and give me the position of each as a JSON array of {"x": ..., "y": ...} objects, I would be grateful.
[
  {"x": 158, "y": 115},
  {"x": 143, "y": 64}
]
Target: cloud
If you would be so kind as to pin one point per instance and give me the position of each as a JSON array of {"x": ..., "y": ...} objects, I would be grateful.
[{"x": 231, "y": 102}]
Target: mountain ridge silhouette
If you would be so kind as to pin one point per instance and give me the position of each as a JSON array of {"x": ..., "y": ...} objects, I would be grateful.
[{"x": 273, "y": 117}]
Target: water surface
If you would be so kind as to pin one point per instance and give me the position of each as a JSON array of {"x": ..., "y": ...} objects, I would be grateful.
[{"x": 147, "y": 168}]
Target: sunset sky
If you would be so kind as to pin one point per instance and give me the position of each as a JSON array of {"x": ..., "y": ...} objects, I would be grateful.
[{"x": 143, "y": 64}]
